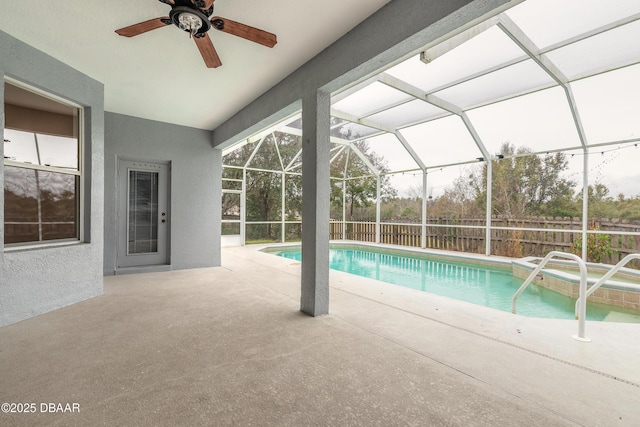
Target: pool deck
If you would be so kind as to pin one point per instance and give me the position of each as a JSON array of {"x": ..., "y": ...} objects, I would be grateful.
[{"x": 228, "y": 346}]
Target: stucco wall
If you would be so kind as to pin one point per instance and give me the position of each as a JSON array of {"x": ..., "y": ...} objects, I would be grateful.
[
  {"x": 34, "y": 281},
  {"x": 195, "y": 186}
]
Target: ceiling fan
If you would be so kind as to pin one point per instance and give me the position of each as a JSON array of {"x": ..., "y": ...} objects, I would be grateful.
[{"x": 193, "y": 16}]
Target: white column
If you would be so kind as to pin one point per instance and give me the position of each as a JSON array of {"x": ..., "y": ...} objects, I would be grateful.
[
  {"x": 283, "y": 210},
  {"x": 424, "y": 208},
  {"x": 378, "y": 209},
  {"x": 344, "y": 209},
  {"x": 585, "y": 204},
  {"x": 243, "y": 208},
  {"x": 487, "y": 249}
]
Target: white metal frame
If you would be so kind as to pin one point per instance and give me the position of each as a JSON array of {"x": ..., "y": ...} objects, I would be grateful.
[{"x": 529, "y": 52}]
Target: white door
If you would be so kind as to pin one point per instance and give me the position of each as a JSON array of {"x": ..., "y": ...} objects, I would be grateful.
[{"x": 143, "y": 218}]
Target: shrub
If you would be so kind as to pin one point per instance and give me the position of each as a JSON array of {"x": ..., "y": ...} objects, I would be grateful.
[
  {"x": 598, "y": 246},
  {"x": 513, "y": 246}
]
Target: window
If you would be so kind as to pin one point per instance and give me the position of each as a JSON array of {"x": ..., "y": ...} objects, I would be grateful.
[{"x": 42, "y": 168}]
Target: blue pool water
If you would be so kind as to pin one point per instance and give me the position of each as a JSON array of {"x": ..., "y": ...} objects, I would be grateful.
[{"x": 489, "y": 286}]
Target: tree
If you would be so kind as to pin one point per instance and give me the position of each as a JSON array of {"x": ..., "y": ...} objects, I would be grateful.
[
  {"x": 601, "y": 205},
  {"x": 264, "y": 189},
  {"x": 360, "y": 183},
  {"x": 628, "y": 208},
  {"x": 459, "y": 199},
  {"x": 526, "y": 184}
]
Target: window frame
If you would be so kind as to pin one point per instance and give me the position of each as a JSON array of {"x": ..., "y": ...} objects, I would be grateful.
[{"x": 79, "y": 172}]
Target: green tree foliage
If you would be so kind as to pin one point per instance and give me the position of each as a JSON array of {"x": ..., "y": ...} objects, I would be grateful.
[
  {"x": 627, "y": 208},
  {"x": 264, "y": 189},
  {"x": 402, "y": 208},
  {"x": 524, "y": 184},
  {"x": 598, "y": 245},
  {"x": 602, "y": 205},
  {"x": 277, "y": 151},
  {"x": 459, "y": 199},
  {"x": 360, "y": 183}
]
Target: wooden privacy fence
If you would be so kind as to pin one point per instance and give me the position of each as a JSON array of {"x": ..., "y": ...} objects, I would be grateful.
[
  {"x": 545, "y": 234},
  {"x": 395, "y": 234}
]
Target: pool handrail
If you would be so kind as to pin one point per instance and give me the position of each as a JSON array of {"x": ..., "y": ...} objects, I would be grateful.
[
  {"x": 624, "y": 261},
  {"x": 582, "y": 299}
]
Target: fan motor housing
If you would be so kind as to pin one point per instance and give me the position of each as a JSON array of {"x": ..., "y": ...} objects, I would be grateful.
[
  {"x": 200, "y": 4},
  {"x": 176, "y": 11}
]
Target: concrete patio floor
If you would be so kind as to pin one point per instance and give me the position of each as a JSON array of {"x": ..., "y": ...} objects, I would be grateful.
[{"x": 228, "y": 346}]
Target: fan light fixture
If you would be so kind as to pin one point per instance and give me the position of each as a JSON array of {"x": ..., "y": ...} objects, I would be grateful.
[{"x": 189, "y": 22}]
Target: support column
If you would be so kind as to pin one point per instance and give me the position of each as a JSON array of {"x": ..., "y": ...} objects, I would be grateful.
[
  {"x": 424, "y": 209},
  {"x": 314, "y": 299},
  {"x": 243, "y": 208},
  {"x": 585, "y": 203},
  {"x": 487, "y": 249},
  {"x": 378, "y": 202},
  {"x": 344, "y": 209},
  {"x": 283, "y": 207}
]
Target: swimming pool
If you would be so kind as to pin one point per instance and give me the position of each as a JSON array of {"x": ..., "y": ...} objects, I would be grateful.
[{"x": 488, "y": 285}]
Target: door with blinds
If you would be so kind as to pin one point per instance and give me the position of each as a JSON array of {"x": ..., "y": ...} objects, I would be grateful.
[{"x": 143, "y": 216}]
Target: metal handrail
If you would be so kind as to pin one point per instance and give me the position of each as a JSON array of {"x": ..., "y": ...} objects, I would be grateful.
[
  {"x": 624, "y": 261},
  {"x": 582, "y": 299}
]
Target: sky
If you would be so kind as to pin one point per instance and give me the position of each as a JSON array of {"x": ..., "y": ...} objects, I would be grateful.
[{"x": 52, "y": 150}]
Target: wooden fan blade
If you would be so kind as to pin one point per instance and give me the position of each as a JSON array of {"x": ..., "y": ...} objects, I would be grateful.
[
  {"x": 245, "y": 31},
  {"x": 142, "y": 27},
  {"x": 208, "y": 52}
]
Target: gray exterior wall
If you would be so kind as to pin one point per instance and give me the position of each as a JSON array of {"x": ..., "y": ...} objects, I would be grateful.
[
  {"x": 195, "y": 186},
  {"x": 34, "y": 281}
]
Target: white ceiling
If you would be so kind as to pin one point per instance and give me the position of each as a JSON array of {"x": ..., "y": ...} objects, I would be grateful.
[{"x": 160, "y": 75}]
